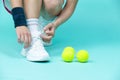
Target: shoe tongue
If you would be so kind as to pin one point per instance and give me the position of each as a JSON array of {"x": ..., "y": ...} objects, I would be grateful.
[{"x": 36, "y": 41}]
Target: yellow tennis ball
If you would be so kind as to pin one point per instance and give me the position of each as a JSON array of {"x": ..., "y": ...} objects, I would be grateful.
[
  {"x": 68, "y": 54},
  {"x": 71, "y": 49},
  {"x": 82, "y": 56}
]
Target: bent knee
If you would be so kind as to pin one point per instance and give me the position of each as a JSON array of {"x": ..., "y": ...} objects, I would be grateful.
[{"x": 53, "y": 7}]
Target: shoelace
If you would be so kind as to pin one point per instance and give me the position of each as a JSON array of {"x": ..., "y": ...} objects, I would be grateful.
[
  {"x": 35, "y": 45},
  {"x": 38, "y": 47}
]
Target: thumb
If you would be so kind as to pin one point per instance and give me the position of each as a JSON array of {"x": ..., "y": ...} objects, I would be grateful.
[{"x": 47, "y": 27}]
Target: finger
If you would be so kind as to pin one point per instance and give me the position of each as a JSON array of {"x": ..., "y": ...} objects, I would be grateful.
[
  {"x": 18, "y": 37},
  {"x": 26, "y": 41},
  {"x": 29, "y": 39},
  {"x": 48, "y": 27},
  {"x": 19, "y": 40},
  {"x": 22, "y": 38},
  {"x": 50, "y": 33},
  {"x": 46, "y": 38},
  {"x": 47, "y": 32}
]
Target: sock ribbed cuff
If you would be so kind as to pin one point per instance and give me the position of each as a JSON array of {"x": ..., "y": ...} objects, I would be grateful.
[{"x": 33, "y": 21}]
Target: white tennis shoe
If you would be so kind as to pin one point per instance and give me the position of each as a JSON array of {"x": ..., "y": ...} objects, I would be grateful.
[{"x": 36, "y": 52}]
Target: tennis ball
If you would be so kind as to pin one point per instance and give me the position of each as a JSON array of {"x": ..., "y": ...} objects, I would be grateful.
[
  {"x": 69, "y": 49},
  {"x": 68, "y": 54},
  {"x": 82, "y": 56}
]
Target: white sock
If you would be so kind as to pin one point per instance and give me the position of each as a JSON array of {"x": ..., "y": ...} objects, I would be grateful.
[{"x": 33, "y": 25}]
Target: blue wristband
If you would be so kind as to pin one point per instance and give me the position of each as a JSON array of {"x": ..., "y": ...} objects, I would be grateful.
[{"x": 19, "y": 17}]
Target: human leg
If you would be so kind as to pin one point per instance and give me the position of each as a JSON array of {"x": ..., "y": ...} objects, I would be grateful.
[
  {"x": 50, "y": 10},
  {"x": 53, "y": 7},
  {"x": 36, "y": 52}
]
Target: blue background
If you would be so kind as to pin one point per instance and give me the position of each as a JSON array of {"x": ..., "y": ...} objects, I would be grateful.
[{"x": 95, "y": 26}]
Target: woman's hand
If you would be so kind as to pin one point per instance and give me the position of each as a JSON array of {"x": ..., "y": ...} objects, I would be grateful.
[
  {"x": 49, "y": 32},
  {"x": 23, "y": 35}
]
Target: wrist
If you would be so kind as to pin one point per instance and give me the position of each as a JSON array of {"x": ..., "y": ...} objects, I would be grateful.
[
  {"x": 56, "y": 23},
  {"x": 19, "y": 17}
]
